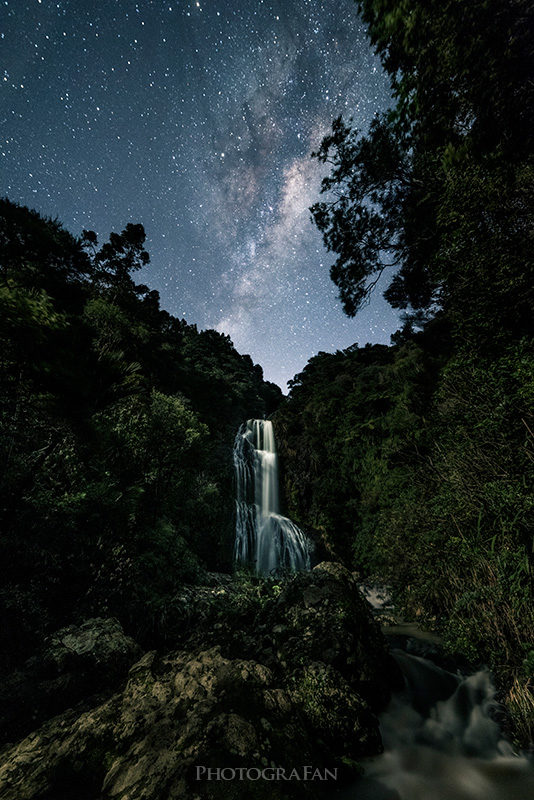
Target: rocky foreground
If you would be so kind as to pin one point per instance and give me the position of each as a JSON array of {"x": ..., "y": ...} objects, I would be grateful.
[{"x": 264, "y": 675}]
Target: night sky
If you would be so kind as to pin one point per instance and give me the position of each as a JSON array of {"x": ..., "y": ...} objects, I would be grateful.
[{"x": 196, "y": 119}]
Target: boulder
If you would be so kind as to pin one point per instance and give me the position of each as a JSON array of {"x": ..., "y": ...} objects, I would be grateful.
[
  {"x": 322, "y": 616},
  {"x": 175, "y": 713},
  {"x": 76, "y": 662},
  {"x": 296, "y": 683}
]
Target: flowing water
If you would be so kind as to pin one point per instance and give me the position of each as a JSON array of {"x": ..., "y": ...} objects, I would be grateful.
[
  {"x": 441, "y": 736},
  {"x": 442, "y": 742},
  {"x": 264, "y": 537}
]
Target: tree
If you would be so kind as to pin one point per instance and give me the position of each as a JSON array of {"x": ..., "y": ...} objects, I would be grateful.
[
  {"x": 374, "y": 186},
  {"x": 118, "y": 258},
  {"x": 439, "y": 189},
  {"x": 459, "y": 68},
  {"x": 116, "y": 429},
  {"x": 37, "y": 253}
]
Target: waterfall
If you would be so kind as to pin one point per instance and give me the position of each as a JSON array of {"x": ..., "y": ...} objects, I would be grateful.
[{"x": 263, "y": 536}]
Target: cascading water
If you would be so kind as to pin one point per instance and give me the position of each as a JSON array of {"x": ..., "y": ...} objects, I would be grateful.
[
  {"x": 441, "y": 733},
  {"x": 263, "y": 536},
  {"x": 441, "y": 742}
]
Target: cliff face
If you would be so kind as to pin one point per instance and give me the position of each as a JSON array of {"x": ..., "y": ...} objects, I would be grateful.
[{"x": 272, "y": 674}]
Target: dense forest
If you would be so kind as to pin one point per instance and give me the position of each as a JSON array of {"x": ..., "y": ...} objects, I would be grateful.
[
  {"x": 415, "y": 462},
  {"x": 117, "y": 424},
  {"x": 410, "y": 464}
]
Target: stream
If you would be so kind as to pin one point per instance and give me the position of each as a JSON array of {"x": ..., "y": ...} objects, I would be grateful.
[{"x": 441, "y": 735}]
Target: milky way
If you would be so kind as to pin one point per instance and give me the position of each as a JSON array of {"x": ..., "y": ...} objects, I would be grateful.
[{"x": 196, "y": 119}]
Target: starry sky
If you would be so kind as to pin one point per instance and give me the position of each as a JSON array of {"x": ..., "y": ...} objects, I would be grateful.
[{"x": 196, "y": 118}]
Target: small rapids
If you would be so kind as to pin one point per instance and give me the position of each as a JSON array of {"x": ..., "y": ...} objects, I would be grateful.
[
  {"x": 442, "y": 742},
  {"x": 264, "y": 537}
]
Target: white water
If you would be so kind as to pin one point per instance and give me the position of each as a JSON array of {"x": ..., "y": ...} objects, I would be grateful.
[
  {"x": 441, "y": 742},
  {"x": 264, "y": 537},
  {"x": 440, "y": 734}
]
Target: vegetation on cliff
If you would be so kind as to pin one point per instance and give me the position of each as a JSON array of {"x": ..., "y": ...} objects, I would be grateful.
[
  {"x": 416, "y": 461},
  {"x": 116, "y": 428}
]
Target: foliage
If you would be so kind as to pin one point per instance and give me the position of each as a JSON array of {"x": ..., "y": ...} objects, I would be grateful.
[
  {"x": 371, "y": 192},
  {"x": 415, "y": 462},
  {"x": 418, "y": 466},
  {"x": 117, "y": 422},
  {"x": 438, "y": 192}
]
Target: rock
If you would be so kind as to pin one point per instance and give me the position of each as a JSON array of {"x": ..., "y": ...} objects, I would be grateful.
[
  {"x": 336, "y": 713},
  {"x": 196, "y": 609},
  {"x": 76, "y": 662},
  {"x": 321, "y": 616},
  {"x": 99, "y": 645},
  {"x": 277, "y": 674},
  {"x": 176, "y": 713}
]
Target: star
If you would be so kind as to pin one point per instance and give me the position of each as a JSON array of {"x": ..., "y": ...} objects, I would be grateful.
[{"x": 200, "y": 126}]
